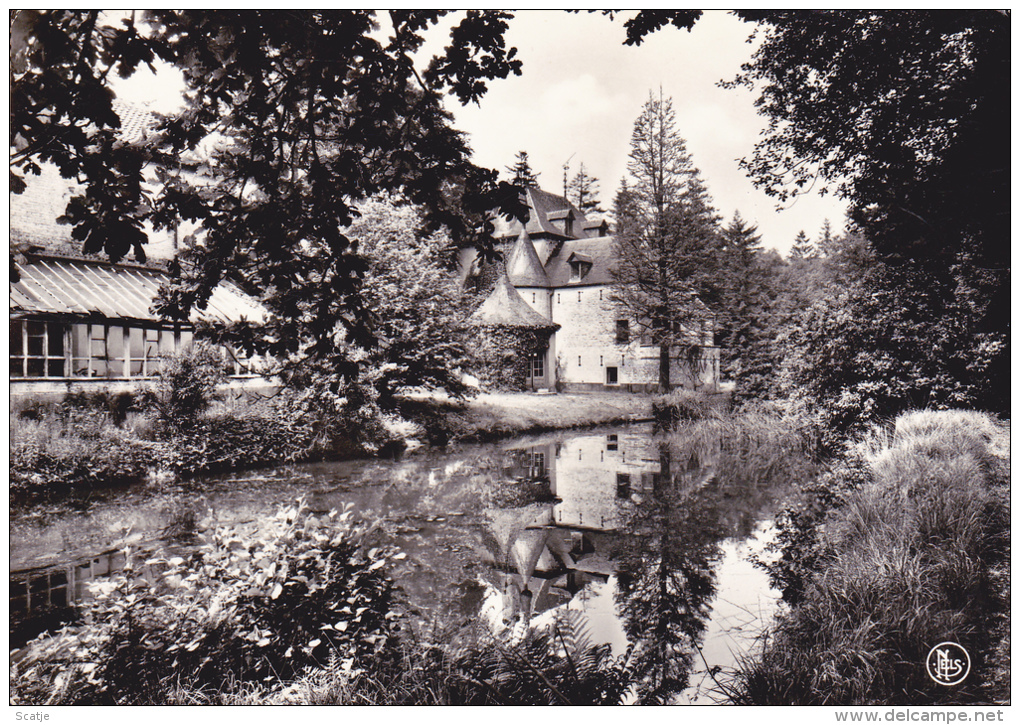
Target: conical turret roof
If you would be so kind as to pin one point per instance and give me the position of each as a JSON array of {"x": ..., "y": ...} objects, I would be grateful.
[
  {"x": 506, "y": 308},
  {"x": 524, "y": 268}
]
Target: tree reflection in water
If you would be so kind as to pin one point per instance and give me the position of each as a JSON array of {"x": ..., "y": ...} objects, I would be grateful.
[
  {"x": 651, "y": 513},
  {"x": 666, "y": 579}
]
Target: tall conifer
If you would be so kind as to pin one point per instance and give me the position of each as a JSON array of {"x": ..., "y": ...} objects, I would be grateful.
[{"x": 666, "y": 230}]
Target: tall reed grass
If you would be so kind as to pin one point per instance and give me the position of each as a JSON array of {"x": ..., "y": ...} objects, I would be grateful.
[
  {"x": 905, "y": 563},
  {"x": 74, "y": 449}
]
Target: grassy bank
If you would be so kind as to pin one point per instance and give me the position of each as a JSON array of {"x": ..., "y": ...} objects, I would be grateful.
[
  {"x": 60, "y": 449},
  {"x": 911, "y": 552},
  {"x": 491, "y": 416}
]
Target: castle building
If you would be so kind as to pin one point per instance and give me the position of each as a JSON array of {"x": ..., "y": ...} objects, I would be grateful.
[{"x": 559, "y": 264}]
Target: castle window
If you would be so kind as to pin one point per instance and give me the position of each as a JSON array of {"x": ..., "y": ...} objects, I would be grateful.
[
  {"x": 622, "y": 331},
  {"x": 580, "y": 266},
  {"x": 578, "y": 295},
  {"x": 578, "y": 361},
  {"x": 532, "y": 296}
]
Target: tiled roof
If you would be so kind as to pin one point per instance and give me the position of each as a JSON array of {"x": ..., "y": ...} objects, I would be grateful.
[
  {"x": 504, "y": 307},
  {"x": 135, "y": 121},
  {"x": 114, "y": 291},
  {"x": 599, "y": 251},
  {"x": 34, "y": 213},
  {"x": 544, "y": 206},
  {"x": 523, "y": 265}
]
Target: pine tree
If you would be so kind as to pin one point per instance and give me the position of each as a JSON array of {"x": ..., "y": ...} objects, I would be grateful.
[
  {"x": 521, "y": 172},
  {"x": 826, "y": 240},
  {"x": 750, "y": 324},
  {"x": 665, "y": 236},
  {"x": 803, "y": 247},
  {"x": 585, "y": 191}
]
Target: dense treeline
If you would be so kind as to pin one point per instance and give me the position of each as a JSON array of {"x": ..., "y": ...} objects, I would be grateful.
[{"x": 856, "y": 339}]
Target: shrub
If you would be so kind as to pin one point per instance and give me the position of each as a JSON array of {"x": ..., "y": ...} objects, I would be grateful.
[
  {"x": 684, "y": 405},
  {"x": 185, "y": 386},
  {"x": 554, "y": 665},
  {"x": 260, "y": 435},
  {"x": 899, "y": 338},
  {"x": 116, "y": 405},
  {"x": 244, "y": 609},
  {"x": 343, "y": 417}
]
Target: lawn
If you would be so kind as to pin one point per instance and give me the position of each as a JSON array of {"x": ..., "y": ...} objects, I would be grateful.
[{"x": 489, "y": 416}]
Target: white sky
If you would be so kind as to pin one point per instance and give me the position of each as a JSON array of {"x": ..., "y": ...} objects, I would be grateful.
[{"x": 581, "y": 90}]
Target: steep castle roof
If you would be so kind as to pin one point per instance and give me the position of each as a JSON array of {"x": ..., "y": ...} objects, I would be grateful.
[
  {"x": 599, "y": 252},
  {"x": 548, "y": 218},
  {"x": 504, "y": 307},
  {"x": 524, "y": 268}
]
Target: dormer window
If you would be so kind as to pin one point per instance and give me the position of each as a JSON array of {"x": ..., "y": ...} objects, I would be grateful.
[
  {"x": 579, "y": 270},
  {"x": 563, "y": 219},
  {"x": 580, "y": 266}
]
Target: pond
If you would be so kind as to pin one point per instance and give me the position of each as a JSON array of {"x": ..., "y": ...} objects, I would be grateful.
[{"x": 650, "y": 535}]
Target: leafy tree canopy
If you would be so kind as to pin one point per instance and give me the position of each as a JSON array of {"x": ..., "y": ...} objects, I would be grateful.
[
  {"x": 311, "y": 112},
  {"x": 903, "y": 112}
]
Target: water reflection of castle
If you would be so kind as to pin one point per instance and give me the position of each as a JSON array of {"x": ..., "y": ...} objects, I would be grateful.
[{"x": 559, "y": 519}]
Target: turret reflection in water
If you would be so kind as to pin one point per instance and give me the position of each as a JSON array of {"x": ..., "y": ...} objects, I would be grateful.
[
  {"x": 590, "y": 507},
  {"x": 555, "y": 519}
]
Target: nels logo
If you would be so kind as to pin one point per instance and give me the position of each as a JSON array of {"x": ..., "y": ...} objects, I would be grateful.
[{"x": 948, "y": 663}]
